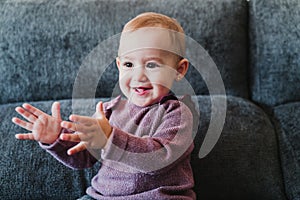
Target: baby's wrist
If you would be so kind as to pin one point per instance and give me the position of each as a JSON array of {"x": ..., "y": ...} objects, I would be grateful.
[{"x": 108, "y": 133}]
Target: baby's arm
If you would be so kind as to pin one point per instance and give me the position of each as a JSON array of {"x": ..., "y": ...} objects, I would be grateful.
[
  {"x": 43, "y": 128},
  {"x": 46, "y": 129},
  {"x": 171, "y": 141}
]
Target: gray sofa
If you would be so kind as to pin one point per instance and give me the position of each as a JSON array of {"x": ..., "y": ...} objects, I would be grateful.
[{"x": 255, "y": 45}]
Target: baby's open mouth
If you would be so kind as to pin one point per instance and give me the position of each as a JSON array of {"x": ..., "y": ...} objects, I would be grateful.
[{"x": 142, "y": 90}]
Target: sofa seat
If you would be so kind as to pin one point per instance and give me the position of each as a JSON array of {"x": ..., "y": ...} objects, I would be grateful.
[{"x": 286, "y": 117}]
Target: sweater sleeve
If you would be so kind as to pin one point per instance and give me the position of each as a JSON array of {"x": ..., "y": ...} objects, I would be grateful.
[
  {"x": 80, "y": 160},
  {"x": 171, "y": 141}
]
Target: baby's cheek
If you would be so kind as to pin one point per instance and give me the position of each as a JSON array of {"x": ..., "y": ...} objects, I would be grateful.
[
  {"x": 125, "y": 86},
  {"x": 124, "y": 79},
  {"x": 164, "y": 82}
]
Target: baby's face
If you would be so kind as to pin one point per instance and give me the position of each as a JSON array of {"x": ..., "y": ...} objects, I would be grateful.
[
  {"x": 146, "y": 75},
  {"x": 147, "y": 66}
]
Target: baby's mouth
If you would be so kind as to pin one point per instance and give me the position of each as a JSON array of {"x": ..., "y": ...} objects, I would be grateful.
[{"x": 142, "y": 90}]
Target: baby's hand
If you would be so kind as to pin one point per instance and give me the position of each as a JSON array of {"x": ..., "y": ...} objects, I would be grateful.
[
  {"x": 43, "y": 127},
  {"x": 90, "y": 132}
]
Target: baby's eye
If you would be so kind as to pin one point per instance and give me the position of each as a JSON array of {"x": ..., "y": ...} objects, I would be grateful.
[
  {"x": 152, "y": 65},
  {"x": 128, "y": 64}
]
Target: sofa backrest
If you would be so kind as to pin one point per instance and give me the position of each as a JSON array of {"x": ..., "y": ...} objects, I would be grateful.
[
  {"x": 44, "y": 43},
  {"x": 275, "y": 55}
]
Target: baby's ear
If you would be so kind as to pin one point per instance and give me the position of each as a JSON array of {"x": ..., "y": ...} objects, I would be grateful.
[
  {"x": 118, "y": 62},
  {"x": 182, "y": 67}
]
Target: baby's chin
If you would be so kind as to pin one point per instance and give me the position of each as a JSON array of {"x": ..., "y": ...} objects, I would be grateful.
[{"x": 141, "y": 103}]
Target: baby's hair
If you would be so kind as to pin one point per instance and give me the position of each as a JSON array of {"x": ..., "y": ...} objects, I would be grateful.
[
  {"x": 151, "y": 19},
  {"x": 157, "y": 20}
]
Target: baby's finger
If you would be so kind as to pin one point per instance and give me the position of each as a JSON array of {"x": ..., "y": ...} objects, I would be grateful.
[
  {"x": 75, "y": 127},
  {"x": 99, "y": 107},
  {"x": 27, "y": 115},
  {"x": 25, "y": 136},
  {"x": 55, "y": 109},
  {"x": 70, "y": 137},
  {"x": 23, "y": 124},
  {"x": 81, "y": 119},
  {"x": 33, "y": 109},
  {"x": 79, "y": 147},
  {"x": 68, "y": 125},
  {"x": 100, "y": 110},
  {"x": 76, "y": 137}
]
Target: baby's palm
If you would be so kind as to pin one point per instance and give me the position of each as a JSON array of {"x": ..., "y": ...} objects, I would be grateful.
[{"x": 44, "y": 128}]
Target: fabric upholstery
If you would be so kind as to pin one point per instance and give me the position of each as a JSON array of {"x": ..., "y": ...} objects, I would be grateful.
[
  {"x": 28, "y": 172},
  {"x": 44, "y": 43},
  {"x": 288, "y": 126},
  {"x": 275, "y": 56},
  {"x": 245, "y": 157}
]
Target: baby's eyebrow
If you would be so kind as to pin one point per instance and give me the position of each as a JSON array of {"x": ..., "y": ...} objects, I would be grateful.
[
  {"x": 125, "y": 57},
  {"x": 145, "y": 59},
  {"x": 153, "y": 58}
]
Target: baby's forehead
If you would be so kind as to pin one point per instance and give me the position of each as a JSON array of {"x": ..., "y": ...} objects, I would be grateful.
[
  {"x": 151, "y": 38},
  {"x": 147, "y": 54}
]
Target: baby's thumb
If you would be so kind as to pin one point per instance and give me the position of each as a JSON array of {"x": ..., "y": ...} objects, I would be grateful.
[
  {"x": 55, "y": 109},
  {"x": 99, "y": 109}
]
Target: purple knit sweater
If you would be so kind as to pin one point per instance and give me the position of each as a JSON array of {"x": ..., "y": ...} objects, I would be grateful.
[{"x": 147, "y": 155}]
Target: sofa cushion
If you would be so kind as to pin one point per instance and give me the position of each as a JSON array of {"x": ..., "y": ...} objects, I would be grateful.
[
  {"x": 288, "y": 126},
  {"x": 275, "y": 55},
  {"x": 44, "y": 43},
  {"x": 244, "y": 164}
]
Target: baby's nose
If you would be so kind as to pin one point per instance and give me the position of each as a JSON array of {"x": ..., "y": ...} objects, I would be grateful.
[{"x": 139, "y": 74}]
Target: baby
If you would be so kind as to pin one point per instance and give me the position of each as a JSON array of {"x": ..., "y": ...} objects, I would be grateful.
[{"x": 143, "y": 141}]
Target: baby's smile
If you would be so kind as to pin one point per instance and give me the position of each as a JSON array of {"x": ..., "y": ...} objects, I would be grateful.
[{"x": 142, "y": 90}]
